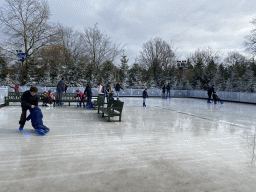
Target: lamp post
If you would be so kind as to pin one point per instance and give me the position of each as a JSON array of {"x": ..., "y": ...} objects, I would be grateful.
[
  {"x": 22, "y": 58},
  {"x": 180, "y": 65}
]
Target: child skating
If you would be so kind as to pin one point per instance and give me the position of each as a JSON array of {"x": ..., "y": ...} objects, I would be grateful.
[
  {"x": 36, "y": 117},
  {"x": 216, "y": 98},
  {"x": 82, "y": 97},
  {"x": 145, "y": 95}
]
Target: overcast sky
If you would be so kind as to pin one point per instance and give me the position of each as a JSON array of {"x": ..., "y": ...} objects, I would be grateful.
[{"x": 186, "y": 24}]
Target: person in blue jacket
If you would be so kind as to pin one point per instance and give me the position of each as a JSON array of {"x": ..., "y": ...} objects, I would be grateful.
[
  {"x": 36, "y": 117},
  {"x": 144, "y": 95}
]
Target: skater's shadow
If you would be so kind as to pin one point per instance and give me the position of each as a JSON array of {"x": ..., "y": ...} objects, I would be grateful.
[{"x": 17, "y": 132}]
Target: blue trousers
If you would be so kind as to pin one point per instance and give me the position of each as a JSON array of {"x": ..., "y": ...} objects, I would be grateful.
[
  {"x": 82, "y": 100},
  {"x": 168, "y": 93},
  {"x": 90, "y": 100},
  {"x": 43, "y": 127}
]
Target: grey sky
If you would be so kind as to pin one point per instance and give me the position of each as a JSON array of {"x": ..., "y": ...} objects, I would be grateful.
[{"x": 187, "y": 24}]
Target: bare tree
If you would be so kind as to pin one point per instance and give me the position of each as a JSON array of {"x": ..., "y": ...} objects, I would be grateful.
[
  {"x": 25, "y": 23},
  {"x": 250, "y": 40},
  {"x": 206, "y": 55},
  {"x": 235, "y": 58},
  {"x": 99, "y": 47},
  {"x": 73, "y": 41},
  {"x": 159, "y": 50}
]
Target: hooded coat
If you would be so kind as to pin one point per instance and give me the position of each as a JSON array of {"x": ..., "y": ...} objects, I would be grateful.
[{"x": 36, "y": 117}]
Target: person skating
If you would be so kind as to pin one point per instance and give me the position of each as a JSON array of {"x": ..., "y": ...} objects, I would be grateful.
[
  {"x": 210, "y": 91},
  {"x": 164, "y": 93},
  {"x": 145, "y": 95},
  {"x": 88, "y": 92},
  {"x": 117, "y": 88},
  {"x": 216, "y": 98},
  {"x": 60, "y": 90},
  {"x": 168, "y": 87},
  {"x": 29, "y": 100},
  {"x": 81, "y": 96},
  {"x": 36, "y": 117}
]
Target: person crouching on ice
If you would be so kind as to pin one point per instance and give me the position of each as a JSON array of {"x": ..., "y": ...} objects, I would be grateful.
[
  {"x": 216, "y": 98},
  {"x": 36, "y": 117},
  {"x": 82, "y": 97}
]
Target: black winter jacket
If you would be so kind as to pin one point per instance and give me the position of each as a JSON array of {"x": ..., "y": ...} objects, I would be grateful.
[
  {"x": 88, "y": 91},
  {"x": 27, "y": 100},
  {"x": 163, "y": 89},
  {"x": 118, "y": 86},
  {"x": 210, "y": 91},
  {"x": 215, "y": 97}
]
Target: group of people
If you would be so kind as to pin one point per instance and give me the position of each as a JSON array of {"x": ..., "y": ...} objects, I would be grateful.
[
  {"x": 215, "y": 97},
  {"x": 168, "y": 88},
  {"x": 29, "y": 101}
]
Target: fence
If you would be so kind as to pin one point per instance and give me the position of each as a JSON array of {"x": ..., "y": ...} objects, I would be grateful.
[{"x": 223, "y": 95}]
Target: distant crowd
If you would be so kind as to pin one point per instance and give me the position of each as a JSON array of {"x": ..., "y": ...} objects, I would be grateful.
[{"x": 29, "y": 100}]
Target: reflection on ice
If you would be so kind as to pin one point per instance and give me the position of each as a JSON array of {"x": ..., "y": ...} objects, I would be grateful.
[{"x": 195, "y": 140}]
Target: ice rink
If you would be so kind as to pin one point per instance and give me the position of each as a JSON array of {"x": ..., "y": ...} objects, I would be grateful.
[{"x": 177, "y": 144}]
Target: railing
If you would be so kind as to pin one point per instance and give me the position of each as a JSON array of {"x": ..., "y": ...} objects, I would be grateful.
[{"x": 223, "y": 95}]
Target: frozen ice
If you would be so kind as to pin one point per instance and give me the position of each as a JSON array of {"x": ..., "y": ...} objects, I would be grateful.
[{"x": 177, "y": 144}]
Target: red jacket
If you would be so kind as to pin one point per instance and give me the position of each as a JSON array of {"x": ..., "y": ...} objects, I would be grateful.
[
  {"x": 16, "y": 88},
  {"x": 80, "y": 94}
]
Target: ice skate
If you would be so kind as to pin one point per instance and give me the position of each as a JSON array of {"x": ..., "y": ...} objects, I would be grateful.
[
  {"x": 21, "y": 128},
  {"x": 40, "y": 132}
]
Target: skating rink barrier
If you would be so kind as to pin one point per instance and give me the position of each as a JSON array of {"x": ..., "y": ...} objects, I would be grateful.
[
  {"x": 3, "y": 93},
  {"x": 223, "y": 95}
]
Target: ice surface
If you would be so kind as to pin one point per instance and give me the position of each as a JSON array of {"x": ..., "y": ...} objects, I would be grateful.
[{"x": 175, "y": 144}]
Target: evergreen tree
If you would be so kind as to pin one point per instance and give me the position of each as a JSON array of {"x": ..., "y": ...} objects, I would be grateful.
[
  {"x": 123, "y": 71},
  {"x": 208, "y": 75},
  {"x": 197, "y": 76},
  {"x": 135, "y": 75},
  {"x": 249, "y": 81},
  {"x": 218, "y": 81},
  {"x": 3, "y": 68},
  {"x": 107, "y": 72},
  {"x": 232, "y": 82},
  {"x": 32, "y": 73}
]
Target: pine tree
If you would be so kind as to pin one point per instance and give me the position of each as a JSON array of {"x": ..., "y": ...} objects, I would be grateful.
[
  {"x": 123, "y": 71},
  {"x": 232, "y": 82},
  {"x": 3, "y": 68},
  {"x": 249, "y": 81},
  {"x": 32, "y": 73},
  {"x": 208, "y": 74},
  {"x": 197, "y": 76},
  {"x": 135, "y": 76},
  {"x": 218, "y": 81}
]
